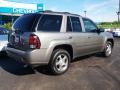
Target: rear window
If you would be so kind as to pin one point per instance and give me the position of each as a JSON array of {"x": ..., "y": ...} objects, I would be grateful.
[
  {"x": 50, "y": 23},
  {"x": 26, "y": 22}
]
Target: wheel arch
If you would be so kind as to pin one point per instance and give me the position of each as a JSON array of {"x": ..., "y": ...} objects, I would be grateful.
[
  {"x": 112, "y": 41},
  {"x": 66, "y": 47}
]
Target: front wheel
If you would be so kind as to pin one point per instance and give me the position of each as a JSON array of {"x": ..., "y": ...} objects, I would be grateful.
[
  {"x": 60, "y": 61},
  {"x": 108, "y": 49}
]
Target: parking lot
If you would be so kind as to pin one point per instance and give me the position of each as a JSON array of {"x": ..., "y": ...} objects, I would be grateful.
[{"x": 92, "y": 72}]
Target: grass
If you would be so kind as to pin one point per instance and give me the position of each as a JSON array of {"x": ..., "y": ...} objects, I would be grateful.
[{"x": 109, "y": 25}]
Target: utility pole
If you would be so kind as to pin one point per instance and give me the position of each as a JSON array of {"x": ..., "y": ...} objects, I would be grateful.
[
  {"x": 85, "y": 12},
  {"x": 118, "y": 13},
  {"x": 12, "y": 18}
]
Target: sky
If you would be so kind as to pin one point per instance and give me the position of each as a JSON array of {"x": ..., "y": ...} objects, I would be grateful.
[{"x": 97, "y": 10}]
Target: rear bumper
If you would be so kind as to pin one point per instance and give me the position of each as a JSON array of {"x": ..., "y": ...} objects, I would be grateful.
[{"x": 34, "y": 57}]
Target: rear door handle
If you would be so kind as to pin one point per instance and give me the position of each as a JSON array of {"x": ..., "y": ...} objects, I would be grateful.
[{"x": 70, "y": 37}]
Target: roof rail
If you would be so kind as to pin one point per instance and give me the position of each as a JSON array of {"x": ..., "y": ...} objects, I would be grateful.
[
  {"x": 50, "y": 11},
  {"x": 46, "y": 11},
  {"x": 66, "y": 12}
]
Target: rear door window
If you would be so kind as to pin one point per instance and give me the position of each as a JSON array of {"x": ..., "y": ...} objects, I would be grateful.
[
  {"x": 76, "y": 25},
  {"x": 69, "y": 25},
  {"x": 26, "y": 22},
  {"x": 50, "y": 23}
]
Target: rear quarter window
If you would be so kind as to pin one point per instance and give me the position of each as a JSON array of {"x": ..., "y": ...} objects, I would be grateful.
[{"x": 50, "y": 23}]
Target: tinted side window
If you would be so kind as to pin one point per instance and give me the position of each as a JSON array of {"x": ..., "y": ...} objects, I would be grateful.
[
  {"x": 50, "y": 23},
  {"x": 89, "y": 25},
  {"x": 76, "y": 24},
  {"x": 69, "y": 28},
  {"x": 25, "y": 23}
]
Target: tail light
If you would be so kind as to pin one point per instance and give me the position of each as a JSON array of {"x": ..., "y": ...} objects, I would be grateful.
[{"x": 34, "y": 42}]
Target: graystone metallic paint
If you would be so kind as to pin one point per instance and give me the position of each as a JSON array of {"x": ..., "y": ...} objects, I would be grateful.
[{"x": 82, "y": 43}]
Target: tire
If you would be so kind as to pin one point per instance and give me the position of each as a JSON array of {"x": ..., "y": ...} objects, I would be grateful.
[
  {"x": 108, "y": 49},
  {"x": 3, "y": 54},
  {"x": 60, "y": 61}
]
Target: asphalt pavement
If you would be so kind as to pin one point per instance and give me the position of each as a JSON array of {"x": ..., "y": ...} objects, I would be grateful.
[{"x": 92, "y": 72}]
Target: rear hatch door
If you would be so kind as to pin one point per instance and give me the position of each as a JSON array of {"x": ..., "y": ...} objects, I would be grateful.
[{"x": 23, "y": 27}]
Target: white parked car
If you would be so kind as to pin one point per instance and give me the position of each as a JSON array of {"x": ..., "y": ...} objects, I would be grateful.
[
  {"x": 116, "y": 33},
  {"x": 3, "y": 38}
]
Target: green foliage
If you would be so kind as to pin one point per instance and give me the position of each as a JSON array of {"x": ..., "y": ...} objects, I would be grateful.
[
  {"x": 8, "y": 26},
  {"x": 114, "y": 24}
]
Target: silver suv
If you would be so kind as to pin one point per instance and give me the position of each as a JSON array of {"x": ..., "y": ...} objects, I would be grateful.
[{"x": 56, "y": 38}]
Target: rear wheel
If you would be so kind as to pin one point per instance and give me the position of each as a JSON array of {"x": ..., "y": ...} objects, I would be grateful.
[
  {"x": 108, "y": 49},
  {"x": 3, "y": 54},
  {"x": 60, "y": 61}
]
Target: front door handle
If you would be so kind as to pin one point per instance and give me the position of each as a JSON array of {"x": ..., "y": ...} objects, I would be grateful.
[
  {"x": 89, "y": 37},
  {"x": 70, "y": 37}
]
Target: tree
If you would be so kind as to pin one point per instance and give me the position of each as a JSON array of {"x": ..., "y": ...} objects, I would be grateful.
[{"x": 8, "y": 26}]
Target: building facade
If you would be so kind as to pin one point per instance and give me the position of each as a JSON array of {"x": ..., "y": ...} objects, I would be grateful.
[{"x": 9, "y": 11}]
